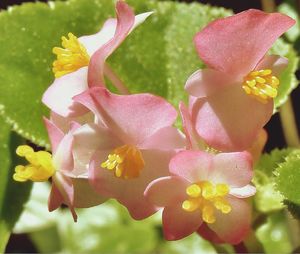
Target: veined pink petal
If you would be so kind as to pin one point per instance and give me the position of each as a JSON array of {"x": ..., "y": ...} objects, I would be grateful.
[
  {"x": 126, "y": 22},
  {"x": 243, "y": 192},
  {"x": 192, "y": 138},
  {"x": 276, "y": 63},
  {"x": 234, "y": 226},
  {"x": 58, "y": 96},
  {"x": 178, "y": 223},
  {"x": 230, "y": 120},
  {"x": 193, "y": 166},
  {"x": 234, "y": 169},
  {"x": 93, "y": 42},
  {"x": 133, "y": 118},
  {"x": 246, "y": 38},
  {"x": 203, "y": 83},
  {"x": 167, "y": 138},
  {"x": 130, "y": 192},
  {"x": 54, "y": 133},
  {"x": 166, "y": 191},
  {"x": 84, "y": 194}
]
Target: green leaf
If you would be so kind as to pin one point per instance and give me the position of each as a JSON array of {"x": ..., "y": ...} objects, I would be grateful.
[
  {"x": 288, "y": 80},
  {"x": 273, "y": 234},
  {"x": 288, "y": 177},
  {"x": 267, "y": 198},
  {"x": 12, "y": 194},
  {"x": 293, "y": 209},
  {"x": 157, "y": 58}
]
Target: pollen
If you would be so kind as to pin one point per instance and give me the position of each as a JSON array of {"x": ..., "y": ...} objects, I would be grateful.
[
  {"x": 207, "y": 197},
  {"x": 126, "y": 161},
  {"x": 261, "y": 84},
  {"x": 71, "y": 57},
  {"x": 39, "y": 169}
]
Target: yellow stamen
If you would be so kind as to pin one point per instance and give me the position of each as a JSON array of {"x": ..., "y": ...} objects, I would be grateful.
[
  {"x": 127, "y": 162},
  {"x": 39, "y": 169},
  {"x": 71, "y": 57},
  {"x": 207, "y": 197},
  {"x": 261, "y": 84}
]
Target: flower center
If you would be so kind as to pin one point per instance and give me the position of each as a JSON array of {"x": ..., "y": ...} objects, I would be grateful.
[
  {"x": 71, "y": 57},
  {"x": 39, "y": 169},
  {"x": 127, "y": 162},
  {"x": 207, "y": 197},
  {"x": 261, "y": 84}
]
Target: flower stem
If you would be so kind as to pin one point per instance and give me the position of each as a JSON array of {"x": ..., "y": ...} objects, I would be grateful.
[
  {"x": 289, "y": 125},
  {"x": 116, "y": 81},
  {"x": 268, "y": 5}
]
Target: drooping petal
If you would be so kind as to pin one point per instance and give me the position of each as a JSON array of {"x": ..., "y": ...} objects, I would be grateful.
[
  {"x": 126, "y": 22},
  {"x": 230, "y": 120},
  {"x": 130, "y": 192},
  {"x": 166, "y": 138},
  {"x": 58, "y": 97},
  {"x": 55, "y": 199},
  {"x": 246, "y": 38},
  {"x": 203, "y": 83},
  {"x": 133, "y": 118},
  {"x": 234, "y": 226},
  {"x": 243, "y": 192},
  {"x": 54, "y": 133},
  {"x": 234, "y": 169},
  {"x": 178, "y": 223},
  {"x": 166, "y": 191},
  {"x": 193, "y": 166},
  {"x": 192, "y": 138},
  {"x": 276, "y": 63}
]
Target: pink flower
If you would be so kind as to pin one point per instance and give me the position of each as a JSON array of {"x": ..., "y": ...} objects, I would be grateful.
[
  {"x": 235, "y": 93},
  {"x": 205, "y": 191},
  {"x": 130, "y": 146},
  {"x": 81, "y": 64}
]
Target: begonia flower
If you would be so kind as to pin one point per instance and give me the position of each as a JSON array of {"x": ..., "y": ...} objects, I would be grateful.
[
  {"x": 236, "y": 91},
  {"x": 205, "y": 191},
  {"x": 81, "y": 64},
  {"x": 68, "y": 189},
  {"x": 130, "y": 146}
]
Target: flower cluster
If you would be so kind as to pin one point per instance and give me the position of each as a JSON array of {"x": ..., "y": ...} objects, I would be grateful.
[{"x": 125, "y": 146}]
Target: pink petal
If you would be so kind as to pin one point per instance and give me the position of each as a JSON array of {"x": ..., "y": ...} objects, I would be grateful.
[
  {"x": 234, "y": 226},
  {"x": 166, "y": 138},
  {"x": 84, "y": 194},
  {"x": 126, "y": 22},
  {"x": 87, "y": 139},
  {"x": 205, "y": 232},
  {"x": 93, "y": 42},
  {"x": 178, "y": 223},
  {"x": 243, "y": 192},
  {"x": 246, "y": 38},
  {"x": 55, "y": 199},
  {"x": 234, "y": 169},
  {"x": 258, "y": 146},
  {"x": 63, "y": 123},
  {"x": 203, "y": 83},
  {"x": 192, "y": 138},
  {"x": 230, "y": 120},
  {"x": 65, "y": 188},
  {"x": 133, "y": 118},
  {"x": 58, "y": 96},
  {"x": 130, "y": 192},
  {"x": 54, "y": 133},
  {"x": 166, "y": 191},
  {"x": 193, "y": 166},
  {"x": 276, "y": 63}
]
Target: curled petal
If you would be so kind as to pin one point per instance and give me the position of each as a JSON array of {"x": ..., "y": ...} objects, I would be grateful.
[
  {"x": 246, "y": 37},
  {"x": 243, "y": 192},
  {"x": 58, "y": 96}
]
